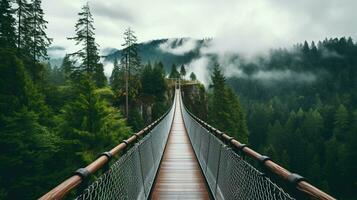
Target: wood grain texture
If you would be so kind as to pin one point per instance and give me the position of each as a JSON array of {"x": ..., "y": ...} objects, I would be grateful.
[{"x": 180, "y": 176}]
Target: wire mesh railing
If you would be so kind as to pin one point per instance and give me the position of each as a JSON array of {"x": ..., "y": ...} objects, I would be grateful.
[
  {"x": 129, "y": 177},
  {"x": 132, "y": 176},
  {"x": 230, "y": 176}
]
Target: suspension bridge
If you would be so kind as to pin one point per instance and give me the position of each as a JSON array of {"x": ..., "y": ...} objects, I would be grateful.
[{"x": 179, "y": 156}]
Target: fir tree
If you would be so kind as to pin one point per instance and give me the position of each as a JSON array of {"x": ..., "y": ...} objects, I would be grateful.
[
  {"x": 26, "y": 144},
  {"x": 174, "y": 73},
  {"x": 131, "y": 62},
  {"x": 130, "y": 57},
  {"x": 115, "y": 78},
  {"x": 40, "y": 41},
  {"x": 7, "y": 25},
  {"x": 68, "y": 68},
  {"x": 89, "y": 124},
  {"x": 193, "y": 76},
  {"x": 23, "y": 13},
  {"x": 341, "y": 123},
  {"x": 89, "y": 52},
  {"x": 225, "y": 111},
  {"x": 182, "y": 71}
]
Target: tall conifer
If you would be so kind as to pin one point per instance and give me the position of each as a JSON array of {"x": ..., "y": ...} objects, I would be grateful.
[
  {"x": 88, "y": 54},
  {"x": 40, "y": 41},
  {"x": 7, "y": 25}
]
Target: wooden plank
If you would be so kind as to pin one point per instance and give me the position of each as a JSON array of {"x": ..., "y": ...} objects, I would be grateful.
[{"x": 179, "y": 175}]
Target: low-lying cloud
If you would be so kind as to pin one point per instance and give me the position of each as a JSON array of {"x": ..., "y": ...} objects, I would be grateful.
[
  {"x": 199, "y": 67},
  {"x": 178, "y": 46},
  {"x": 284, "y": 75}
]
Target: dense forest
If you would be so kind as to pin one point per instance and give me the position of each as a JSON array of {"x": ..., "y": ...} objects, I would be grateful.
[
  {"x": 55, "y": 119},
  {"x": 309, "y": 126},
  {"x": 297, "y": 105},
  {"x": 302, "y": 113}
]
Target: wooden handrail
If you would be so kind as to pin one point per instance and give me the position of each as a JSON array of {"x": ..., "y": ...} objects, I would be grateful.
[{"x": 60, "y": 191}]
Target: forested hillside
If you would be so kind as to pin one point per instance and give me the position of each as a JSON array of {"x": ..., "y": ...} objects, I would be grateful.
[
  {"x": 164, "y": 50},
  {"x": 54, "y": 120},
  {"x": 297, "y": 105},
  {"x": 307, "y": 125},
  {"x": 301, "y": 109}
]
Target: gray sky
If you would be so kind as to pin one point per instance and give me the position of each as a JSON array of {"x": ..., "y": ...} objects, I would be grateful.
[{"x": 253, "y": 25}]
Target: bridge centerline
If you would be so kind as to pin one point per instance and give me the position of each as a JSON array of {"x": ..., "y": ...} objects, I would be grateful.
[{"x": 179, "y": 175}]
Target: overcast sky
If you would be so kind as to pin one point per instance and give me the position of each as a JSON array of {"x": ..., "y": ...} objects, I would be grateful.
[{"x": 242, "y": 24}]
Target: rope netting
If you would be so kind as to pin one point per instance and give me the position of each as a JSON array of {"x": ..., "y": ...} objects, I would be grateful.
[
  {"x": 132, "y": 175},
  {"x": 228, "y": 175}
]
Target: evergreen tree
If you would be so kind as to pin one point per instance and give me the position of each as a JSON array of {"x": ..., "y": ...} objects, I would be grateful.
[
  {"x": 23, "y": 13},
  {"x": 26, "y": 144},
  {"x": 130, "y": 57},
  {"x": 7, "y": 25},
  {"x": 68, "y": 68},
  {"x": 225, "y": 111},
  {"x": 174, "y": 73},
  {"x": 182, "y": 71},
  {"x": 131, "y": 62},
  {"x": 89, "y": 124},
  {"x": 115, "y": 78},
  {"x": 193, "y": 76},
  {"x": 341, "y": 123},
  {"x": 89, "y": 53},
  {"x": 40, "y": 41}
]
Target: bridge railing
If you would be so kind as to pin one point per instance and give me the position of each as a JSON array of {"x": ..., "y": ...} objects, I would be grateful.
[
  {"x": 230, "y": 176},
  {"x": 129, "y": 177}
]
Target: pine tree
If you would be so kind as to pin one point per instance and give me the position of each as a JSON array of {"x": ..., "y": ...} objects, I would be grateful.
[
  {"x": 131, "y": 62},
  {"x": 7, "y": 25},
  {"x": 115, "y": 78},
  {"x": 182, "y": 71},
  {"x": 40, "y": 41},
  {"x": 23, "y": 13},
  {"x": 174, "y": 73},
  {"x": 225, "y": 112},
  {"x": 89, "y": 124},
  {"x": 26, "y": 144},
  {"x": 130, "y": 57},
  {"x": 193, "y": 76},
  {"x": 89, "y": 53},
  {"x": 341, "y": 123},
  {"x": 68, "y": 68},
  {"x": 306, "y": 49}
]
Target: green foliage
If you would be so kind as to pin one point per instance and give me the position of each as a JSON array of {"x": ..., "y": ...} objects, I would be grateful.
[
  {"x": 135, "y": 120},
  {"x": 224, "y": 110},
  {"x": 193, "y": 76},
  {"x": 116, "y": 78},
  {"x": 130, "y": 57},
  {"x": 341, "y": 123},
  {"x": 23, "y": 15},
  {"x": 174, "y": 73},
  {"x": 89, "y": 124},
  {"x": 7, "y": 26},
  {"x": 66, "y": 72},
  {"x": 26, "y": 145},
  {"x": 40, "y": 41},
  {"x": 153, "y": 81},
  {"x": 52, "y": 119},
  {"x": 88, "y": 55},
  {"x": 317, "y": 123},
  {"x": 182, "y": 71}
]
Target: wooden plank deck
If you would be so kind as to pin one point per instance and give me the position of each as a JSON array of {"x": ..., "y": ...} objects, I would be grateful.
[{"x": 180, "y": 176}]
